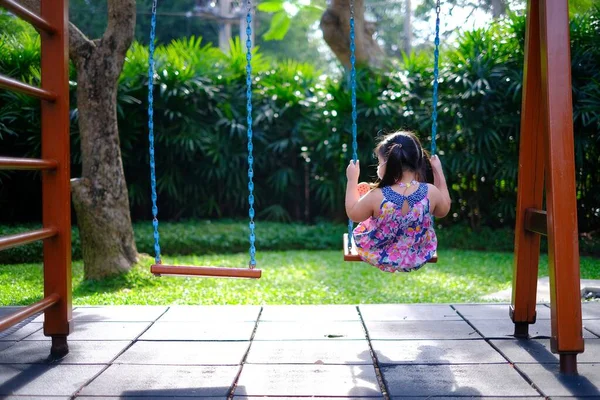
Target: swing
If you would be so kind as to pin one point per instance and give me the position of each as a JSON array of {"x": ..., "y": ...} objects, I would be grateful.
[
  {"x": 158, "y": 268},
  {"x": 350, "y": 251}
]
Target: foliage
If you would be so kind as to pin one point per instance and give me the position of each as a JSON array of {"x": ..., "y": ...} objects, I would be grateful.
[
  {"x": 302, "y": 125},
  {"x": 291, "y": 277}
]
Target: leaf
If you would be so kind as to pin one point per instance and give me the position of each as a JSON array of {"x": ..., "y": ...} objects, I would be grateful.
[
  {"x": 280, "y": 24},
  {"x": 271, "y": 6}
]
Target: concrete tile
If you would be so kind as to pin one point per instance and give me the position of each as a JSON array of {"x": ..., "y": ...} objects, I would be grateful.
[
  {"x": 591, "y": 326},
  {"x": 455, "y": 380},
  {"x": 590, "y": 310},
  {"x": 211, "y": 313},
  {"x": 308, "y": 380},
  {"x": 44, "y": 380},
  {"x": 36, "y": 397},
  {"x": 538, "y": 351},
  {"x": 7, "y": 310},
  {"x": 310, "y": 352},
  {"x": 80, "y": 352},
  {"x": 115, "y": 313},
  {"x": 310, "y": 313},
  {"x": 495, "y": 311},
  {"x": 162, "y": 380},
  {"x": 548, "y": 378},
  {"x": 300, "y": 398},
  {"x": 150, "y": 397},
  {"x": 185, "y": 353},
  {"x": 12, "y": 334},
  {"x": 119, "y": 313},
  {"x": 407, "y": 312},
  {"x": 88, "y": 330},
  {"x": 458, "y": 397},
  {"x": 505, "y": 329},
  {"x": 420, "y": 330},
  {"x": 307, "y": 331},
  {"x": 5, "y": 345},
  {"x": 199, "y": 331},
  {"x": 435, "y": 352}
]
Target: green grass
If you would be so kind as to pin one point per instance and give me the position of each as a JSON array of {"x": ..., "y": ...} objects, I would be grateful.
[{"x": 291, "y": 277}]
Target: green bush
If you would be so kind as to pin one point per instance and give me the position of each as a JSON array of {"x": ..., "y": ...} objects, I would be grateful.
[
  {"x": 227, "y": 237},
  {"x": 302, "y": 125}
]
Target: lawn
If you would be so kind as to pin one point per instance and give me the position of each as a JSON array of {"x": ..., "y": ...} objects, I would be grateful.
[{"x": 289, "y": 277}]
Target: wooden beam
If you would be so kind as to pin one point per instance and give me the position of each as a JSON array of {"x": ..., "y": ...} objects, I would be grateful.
[
  {"x": 536, "y": 221},
  {"x": 13, "y": 163},
  {"x": 561, "y": 203},
  {"x": 222, "y": 272},
  {"x": 530, "y": 193},
  {"x": 20, "y": 239}
]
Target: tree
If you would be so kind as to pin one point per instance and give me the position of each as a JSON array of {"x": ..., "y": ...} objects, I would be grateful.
[
  {"x": 335, "y": 24},
  {"x": 100, "y": 196}
]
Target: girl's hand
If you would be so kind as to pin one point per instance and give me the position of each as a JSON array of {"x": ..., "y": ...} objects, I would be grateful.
[
  {"x": 353, "y": 171},
  {"x": 436, "y": 164}
]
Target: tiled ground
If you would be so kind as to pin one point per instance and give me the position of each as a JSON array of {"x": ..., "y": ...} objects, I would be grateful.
[{"x": 245, "y": 352}]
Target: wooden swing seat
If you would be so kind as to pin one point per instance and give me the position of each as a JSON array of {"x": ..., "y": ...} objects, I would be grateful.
[
  {"x": 352, "y": 254},
  {"x": 223, "y": 272}
]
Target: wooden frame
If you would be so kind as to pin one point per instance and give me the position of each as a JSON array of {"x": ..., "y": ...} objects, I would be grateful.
[
  {"x": 52, "y": 24},
  {"x": 546, "y": 166},
  {"x": 222, "y": 272}
]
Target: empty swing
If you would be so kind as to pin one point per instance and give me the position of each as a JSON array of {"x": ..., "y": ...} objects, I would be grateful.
[
  {"x": 158, "y": 268},
  {"x": 350, "y": 250}
]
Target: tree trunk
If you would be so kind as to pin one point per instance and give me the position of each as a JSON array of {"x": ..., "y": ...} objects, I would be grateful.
[
  {"x": 408, "y": 27},
  {"x": 335, "y": 24},
  {"x": 498, "y": 8},
  {"x": 100, "y": 196}
]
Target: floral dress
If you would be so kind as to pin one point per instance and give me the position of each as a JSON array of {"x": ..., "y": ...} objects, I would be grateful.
[{"x": 395, "y": 241}]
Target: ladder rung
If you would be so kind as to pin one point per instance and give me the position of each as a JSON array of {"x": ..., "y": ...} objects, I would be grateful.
[
  {"x": 10, "y": 83},
  {"x": 27, "y": 15},
  {"x": 13, "y": 163},
  {"x": 16, "y": 317},
  {"x": 19, "y": 239},
  {"x": 535, "y": 221}
]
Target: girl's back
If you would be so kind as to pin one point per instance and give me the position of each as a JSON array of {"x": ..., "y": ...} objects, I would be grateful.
[{"x": 400, "y": 236}]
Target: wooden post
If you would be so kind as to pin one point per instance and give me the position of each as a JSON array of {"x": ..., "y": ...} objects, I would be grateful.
[
  {"x": 55, "y": 184},
  {"x": 546, "y": 145},
  {"x": 530, "y": 178},
  {"x": 561, "y": 204}
]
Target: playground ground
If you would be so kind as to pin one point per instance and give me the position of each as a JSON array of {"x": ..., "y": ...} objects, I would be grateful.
[{"x": 341, "y": 351}]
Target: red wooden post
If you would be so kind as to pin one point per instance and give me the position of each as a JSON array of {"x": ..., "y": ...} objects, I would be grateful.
[
  {"x": 531, "y": 180},
  {"x": 561, "y": 204},
  {"x": 547, "y": 146},
  {"x": 56, "y": 184}
]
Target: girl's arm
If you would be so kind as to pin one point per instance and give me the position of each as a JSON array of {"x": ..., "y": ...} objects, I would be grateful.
[
  {"x": 443, "y": 201},
  {"x": 358, "y": 209}
]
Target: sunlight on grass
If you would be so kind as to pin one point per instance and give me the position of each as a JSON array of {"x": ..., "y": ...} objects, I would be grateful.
[{"x": 291, "y": 277}]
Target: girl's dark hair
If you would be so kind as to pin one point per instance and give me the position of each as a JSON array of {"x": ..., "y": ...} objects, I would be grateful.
[{"x": 403, "y": 152}]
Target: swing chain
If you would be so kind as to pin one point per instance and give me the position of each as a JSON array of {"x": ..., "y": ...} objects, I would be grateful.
[
  {"x": 354, "y": 114},
  {"x": 436, "y": 72},
  {"x": 157, "y": 257},
  {"x": 251, "y": 212}
]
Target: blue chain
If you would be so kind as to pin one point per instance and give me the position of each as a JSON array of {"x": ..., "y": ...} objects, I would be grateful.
[
  {"x": 353, "y": 88},
  {"x": 151, "y": 133},
  {"x": 249, "y": 121},
  {"x": 436, "y": 72}
]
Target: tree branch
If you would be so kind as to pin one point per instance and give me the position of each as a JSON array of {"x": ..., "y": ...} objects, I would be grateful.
[
  {"x": 120, "y": 30},
  {"x": 78, "y": 42}
]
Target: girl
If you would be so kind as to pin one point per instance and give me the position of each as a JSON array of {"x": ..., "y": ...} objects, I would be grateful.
[{"x": 395, "y": 232}]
